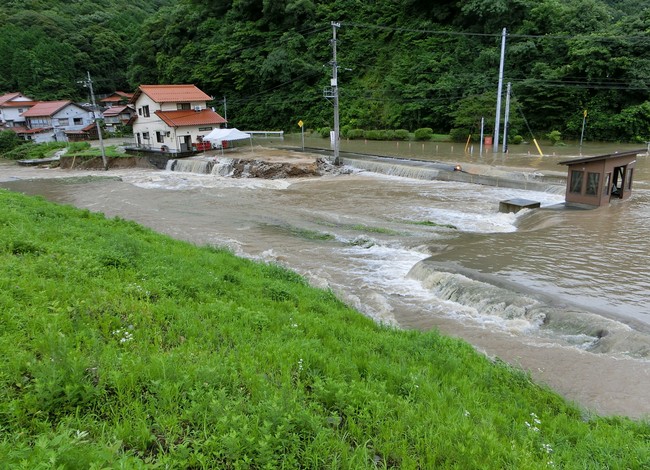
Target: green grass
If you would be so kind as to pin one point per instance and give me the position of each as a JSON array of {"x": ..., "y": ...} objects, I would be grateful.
[
  {"x": 109, "y": 151},
  {"x": 123, "y": 348},
  {"x": 429, "y": 223},
  {"x": 30, "y": 150},
  {"x": 366, "y": 228}
]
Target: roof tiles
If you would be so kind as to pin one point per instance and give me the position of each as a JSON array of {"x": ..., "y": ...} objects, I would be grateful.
[
  {"x": 190, "y": 118},
  {"x": 46, "y": 108},
  {"x": 172, "y": 93}
]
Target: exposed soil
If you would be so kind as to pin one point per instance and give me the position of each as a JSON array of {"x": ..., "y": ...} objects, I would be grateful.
[{"x": 258, "y": 162}]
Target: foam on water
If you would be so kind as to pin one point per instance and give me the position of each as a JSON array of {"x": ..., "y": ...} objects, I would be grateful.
[{"x": 498, "y": 304}]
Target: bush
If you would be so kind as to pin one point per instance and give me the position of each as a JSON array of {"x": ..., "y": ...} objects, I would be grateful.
[
  {"x": 554, "y": 136},
  {"x": 324, "y": 132},
  {"x": 373, "y": 134},
  {"x": 424, "y": 133},
  {"x": 9, "y": 140},
  {"x": 355, "y": 134},
  {"x": 401, "y": 134},
  {"x": 458, "y": 135},
  {"x": 516, "y": 140}
]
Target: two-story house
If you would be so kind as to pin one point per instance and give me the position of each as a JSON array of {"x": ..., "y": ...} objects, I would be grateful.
[
  {"x": 173, "y": 118},
  {"x": 118, "y": 115},
  {"x": 115, "y": 99},
  {"x": 49, "y": 120},
  {"x": 12, "y": 106}
]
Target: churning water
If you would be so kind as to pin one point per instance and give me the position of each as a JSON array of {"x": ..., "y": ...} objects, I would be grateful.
[{"x": 418, "y": 252}]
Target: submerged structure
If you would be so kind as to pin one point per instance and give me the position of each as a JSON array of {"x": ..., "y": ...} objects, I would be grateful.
[{"x": 596, "y": 181}]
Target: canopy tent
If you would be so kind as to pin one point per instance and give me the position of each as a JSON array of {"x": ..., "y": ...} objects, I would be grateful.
[{"x": 220, "y": 135}]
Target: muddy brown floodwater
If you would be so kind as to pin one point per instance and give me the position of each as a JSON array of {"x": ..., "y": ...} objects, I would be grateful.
[{"x": 424, "y": 254}]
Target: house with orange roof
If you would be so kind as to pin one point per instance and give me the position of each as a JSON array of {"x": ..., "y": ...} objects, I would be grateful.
[
  {"x": 115, "y": 99},
  {"x": 53, "y": 118},
  {"x": 118, "y": 116},
  {"x": 173, "y": 118},
  {"x": 12, "y": 105}
]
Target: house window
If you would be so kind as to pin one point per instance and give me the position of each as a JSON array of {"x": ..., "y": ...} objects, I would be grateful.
[
  {"x": 592, "y": 183},
  {"x": 160, "y": 137},
  {"x": 629, "y": 179},
  {"x": 608, "y": 182},
  {"x": 145, "y": 136},
  {"x": 145, "y": 111},
  {"x": 64, "y": 122},
  {"x": 78, "y": 121},
  {"x": 183, "y": 106},
  {"x": 576, "y": 181}
]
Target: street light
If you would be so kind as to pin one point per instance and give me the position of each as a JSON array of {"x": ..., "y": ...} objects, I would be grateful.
[{"x": 88, "y": 83}]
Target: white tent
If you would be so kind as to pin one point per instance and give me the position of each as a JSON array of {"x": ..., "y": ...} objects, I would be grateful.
[{"x": 219, "y": 135}]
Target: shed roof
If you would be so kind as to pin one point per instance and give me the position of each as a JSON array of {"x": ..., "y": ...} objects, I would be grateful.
[
  {"x": 171, "y": 93},
  {"x": 627, "y": 153},
  {"x": 190, "y": 118}
]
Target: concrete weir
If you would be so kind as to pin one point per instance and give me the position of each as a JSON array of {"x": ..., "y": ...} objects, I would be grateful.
[
  {"x": 443, "y": 171},
  {"x": 515, "y": 205}
]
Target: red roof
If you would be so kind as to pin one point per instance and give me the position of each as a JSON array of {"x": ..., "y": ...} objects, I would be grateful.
[
  {"x": 117, "y": 96},
  {"x": 46, "y": 108},
  {"x": 37, "y": 130},
  {"x": 9, "y": 97},
  {"x": 117, "y": 110},
  {"x": 190, "y": 118},
  {"x": 171, "y": 93},
  {"x": 18, "y": 104}
]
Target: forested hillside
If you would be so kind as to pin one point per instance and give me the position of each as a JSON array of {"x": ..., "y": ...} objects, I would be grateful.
[
  {"x": 47, "y": 46},
  {"x": 403, "y": 63}
]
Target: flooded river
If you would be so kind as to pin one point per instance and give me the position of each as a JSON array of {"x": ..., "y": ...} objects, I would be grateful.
[{"x": 561, "y": 293}]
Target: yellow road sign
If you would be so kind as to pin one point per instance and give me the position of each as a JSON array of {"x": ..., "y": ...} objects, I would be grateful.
[{"x": 300, "y": 123}]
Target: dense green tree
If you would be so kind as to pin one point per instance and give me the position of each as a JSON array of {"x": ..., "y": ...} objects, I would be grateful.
[{"x": 402, "y": 63}]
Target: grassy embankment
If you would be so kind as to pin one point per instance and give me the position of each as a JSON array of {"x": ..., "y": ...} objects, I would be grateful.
[
  {"x": 33, "y": 151},
  {"x": 125, "y": 348}
]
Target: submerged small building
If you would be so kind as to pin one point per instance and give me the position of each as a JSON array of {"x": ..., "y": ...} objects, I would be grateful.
[{"x": 595, "y": 181}]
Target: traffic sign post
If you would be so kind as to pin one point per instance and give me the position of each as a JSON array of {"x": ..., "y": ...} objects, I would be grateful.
[{"x": 302, "y": 133}]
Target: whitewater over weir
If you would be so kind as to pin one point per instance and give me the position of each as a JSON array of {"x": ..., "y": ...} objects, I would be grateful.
[{"x": 423, "y": 253}]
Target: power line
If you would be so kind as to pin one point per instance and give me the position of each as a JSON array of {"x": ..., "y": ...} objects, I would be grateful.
[{"x": 498, "y": 35}]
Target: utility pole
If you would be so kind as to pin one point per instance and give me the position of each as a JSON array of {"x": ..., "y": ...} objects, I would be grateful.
[
  {"x": 333, "y": 93},
  {"x": 506, "y": 119},
  {"x": 499, "y": 91},
  {"x": 89, "y": 83},
  {"x": 225, "y": 111},
  {"x": 582, "y": 133},
  {"x": 481, "y": 144}
]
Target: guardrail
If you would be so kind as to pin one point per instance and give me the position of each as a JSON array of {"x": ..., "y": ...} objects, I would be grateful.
[{"x": 279, "y": 134}]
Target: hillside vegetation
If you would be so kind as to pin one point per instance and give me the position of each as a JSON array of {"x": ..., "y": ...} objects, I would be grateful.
[
  {"x": 124, "y": 348},
  {"x": 404, "y": 64}
]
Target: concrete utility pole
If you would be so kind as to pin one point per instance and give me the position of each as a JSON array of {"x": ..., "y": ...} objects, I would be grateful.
[
  {"x": 89, "y": 83},
  {"x": 506, "y": 118},
  {"x": 333, "y": 93},
  {"x": 225, "y": 111},
  {"x": 499, "y": 91}
]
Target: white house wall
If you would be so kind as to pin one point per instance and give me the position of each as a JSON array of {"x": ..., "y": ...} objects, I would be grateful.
[
  {"x": 174, "y": 107},
  {"x": 172, "y": 137},
  {"x": 13, "y": 115},
  {"x": 71, "y": 113}
]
